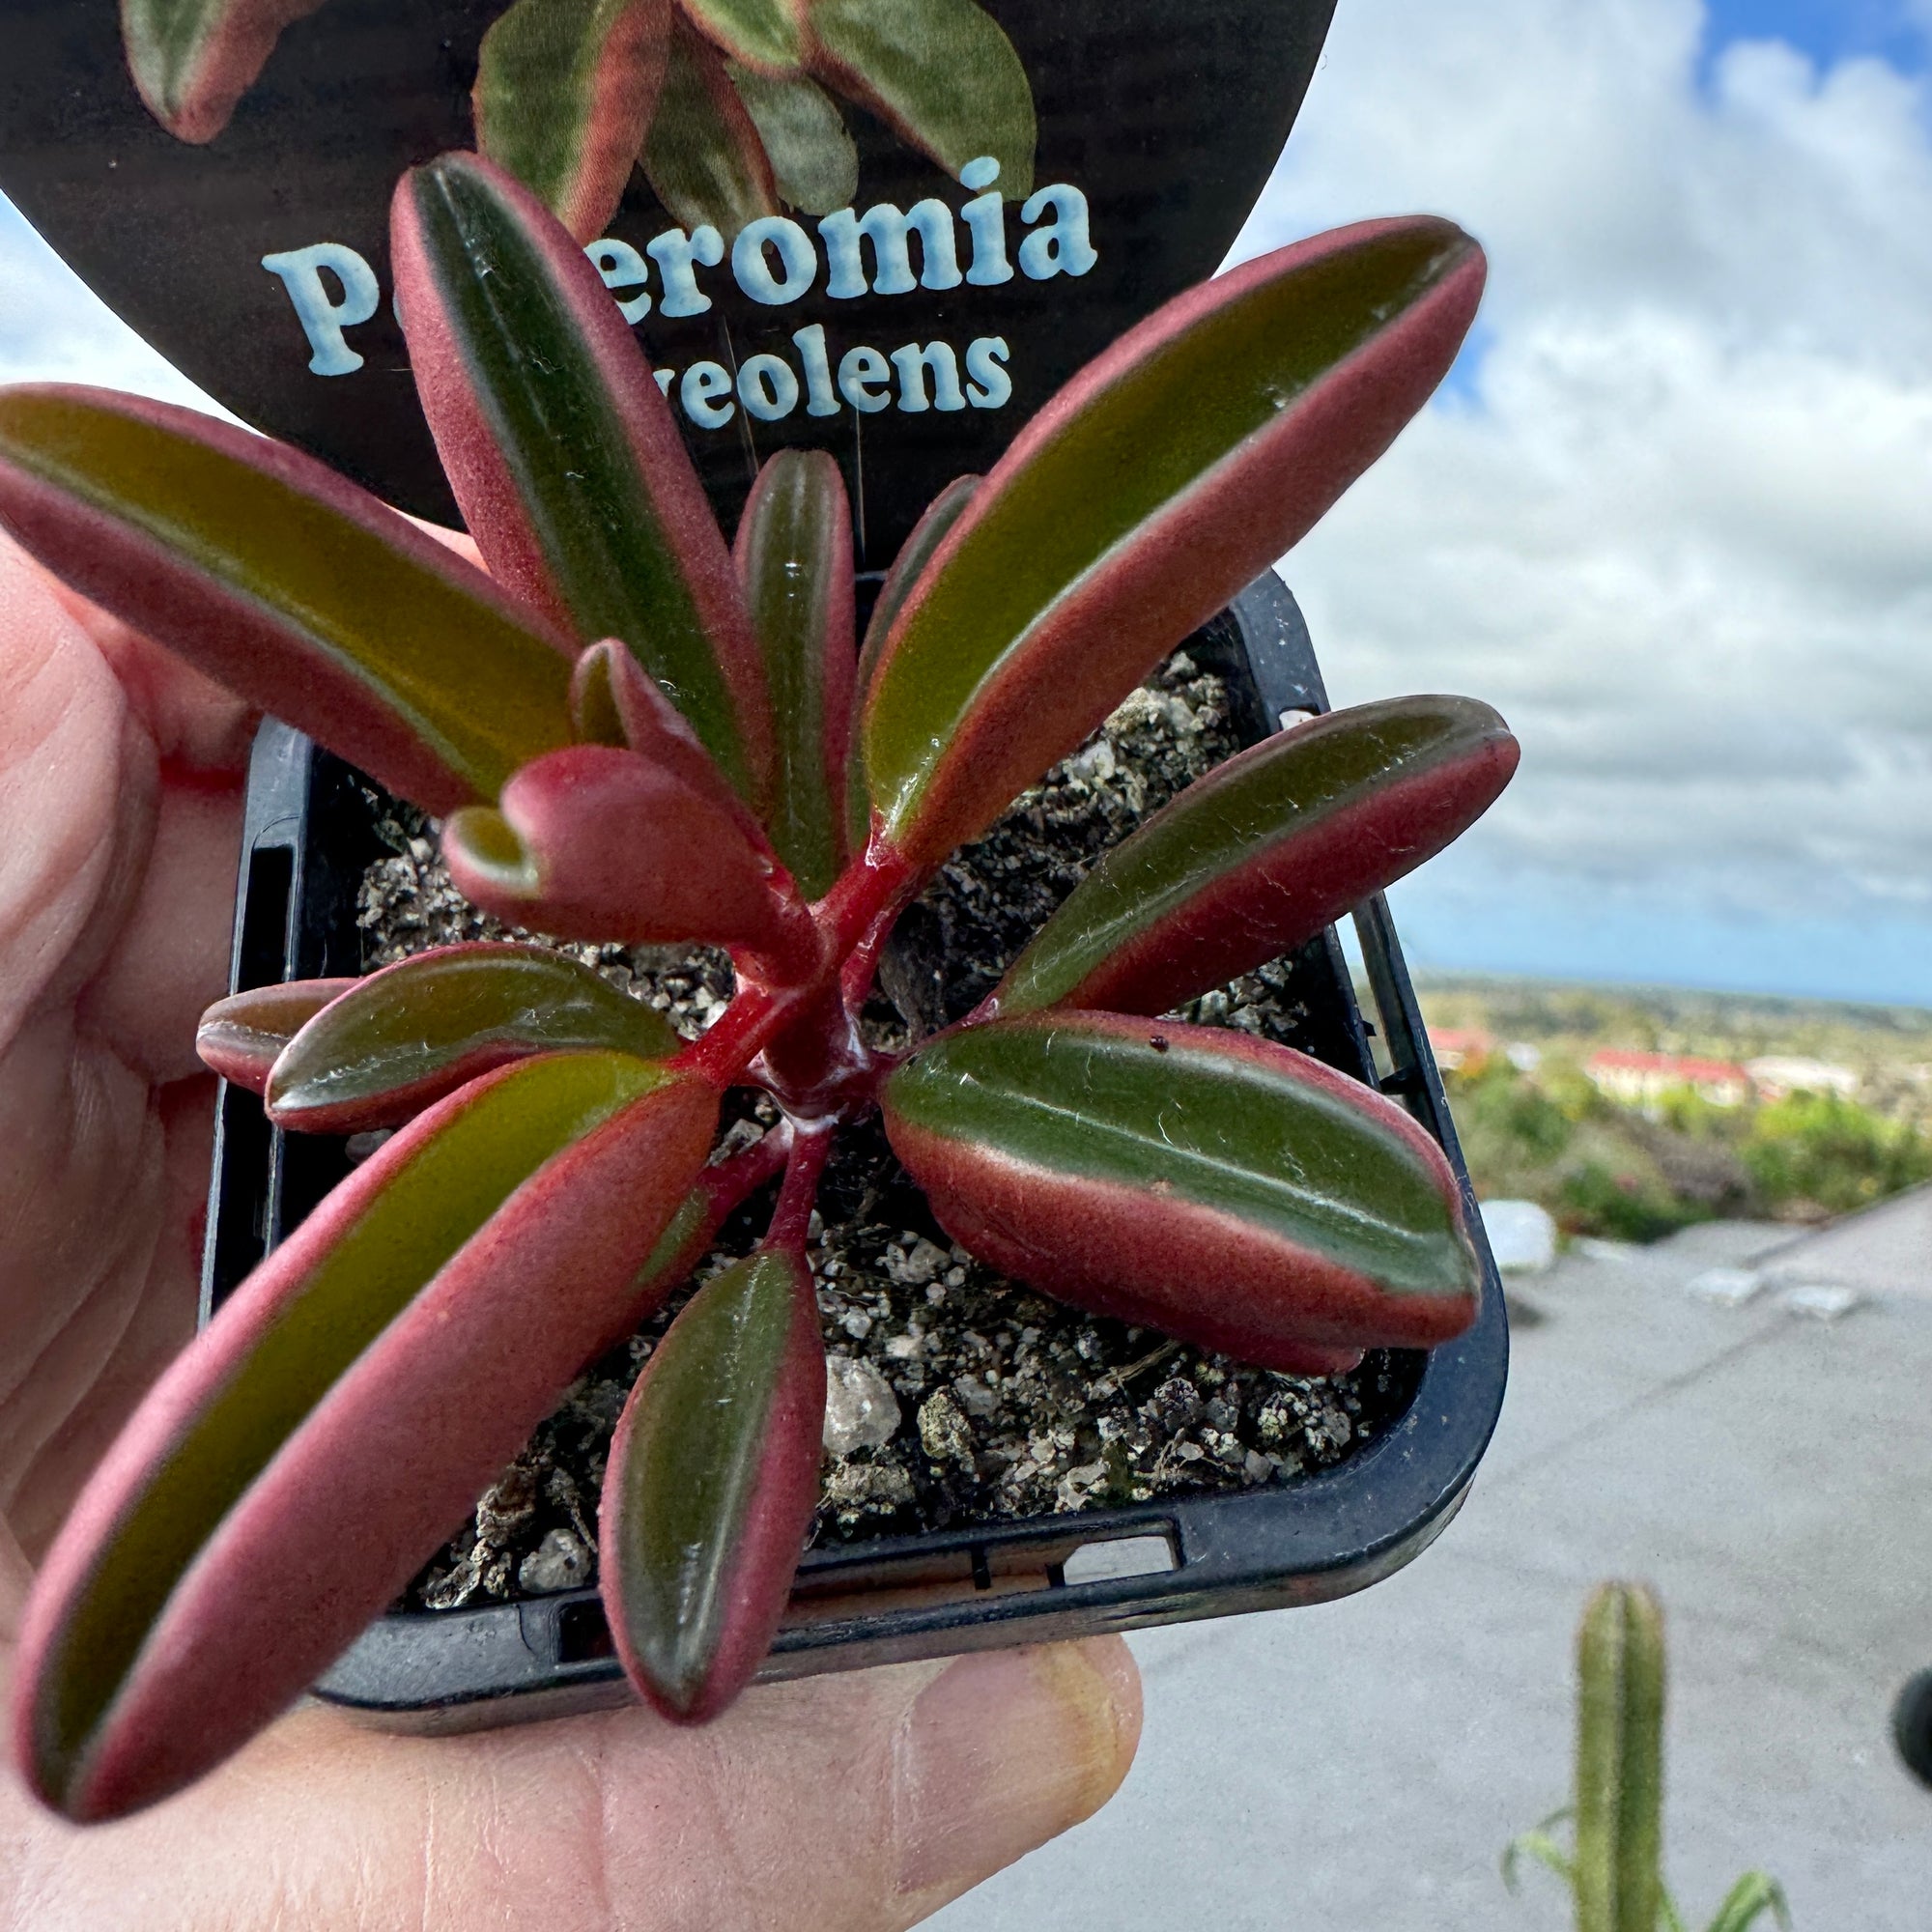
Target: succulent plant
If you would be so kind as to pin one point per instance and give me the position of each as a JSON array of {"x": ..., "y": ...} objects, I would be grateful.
[
  {"x": 632, "y": 733},
  {"x": 723, "y": 103},
  {"x": 1616, "y": 1869}
]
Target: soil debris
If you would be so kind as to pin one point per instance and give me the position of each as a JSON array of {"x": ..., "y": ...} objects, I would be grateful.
[{"x": 955, "y": 1394}]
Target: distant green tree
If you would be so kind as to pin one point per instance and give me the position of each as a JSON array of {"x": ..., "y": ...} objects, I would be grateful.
[
  {"x": 1499, "y": 1104},
  {"x": 1688, "y": 1112},
  {"x": 1834, "y": 1151},
  {"x": 1571, "y": 1090},
  {"x": 1593, "y": 1199}
]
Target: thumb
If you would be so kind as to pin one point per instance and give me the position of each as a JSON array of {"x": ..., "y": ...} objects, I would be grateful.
[{"x": 858, "y": 1802}]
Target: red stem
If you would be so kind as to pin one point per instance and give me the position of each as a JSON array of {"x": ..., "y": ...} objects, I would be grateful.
[
  {"x": 851, "y": 920},
  {"x": 860, "y": 907},
  {"x": 732, "y": 1182},
  {"x": 791, "y": 1219}
]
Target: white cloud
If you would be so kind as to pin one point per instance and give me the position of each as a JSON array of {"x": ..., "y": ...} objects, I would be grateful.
[
  {"x": 53, "y": 328},
  {"x": 1678, "y": 523}
]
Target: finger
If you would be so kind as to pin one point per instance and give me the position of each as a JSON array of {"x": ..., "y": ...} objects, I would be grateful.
[
  {"x": 460, "y": 541},
  {"x": 168, "y": 961},
  {"x": 848, "y": 1803},
  {"x": 194, "y": 724},
  {"x": 129, "y": 1310},
  {"x": 76, "y": 797}
]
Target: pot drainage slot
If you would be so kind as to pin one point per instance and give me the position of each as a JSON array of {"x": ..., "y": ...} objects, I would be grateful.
[
  {"x": 1116, "y": 1557},
  {"x": 583, "y": 1633}
]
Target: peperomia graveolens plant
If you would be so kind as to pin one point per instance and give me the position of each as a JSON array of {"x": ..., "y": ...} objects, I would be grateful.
[{"x": 632, "y": 733}]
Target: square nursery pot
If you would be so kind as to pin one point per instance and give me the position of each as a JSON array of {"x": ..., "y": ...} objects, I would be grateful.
[{"x": 308, "y": 838}]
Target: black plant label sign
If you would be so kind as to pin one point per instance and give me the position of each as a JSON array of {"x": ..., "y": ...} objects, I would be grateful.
[{"x": 910, "y": 330}]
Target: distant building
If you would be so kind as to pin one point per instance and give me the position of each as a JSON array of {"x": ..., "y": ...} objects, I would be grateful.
[
  {"x": 1646, "y": 1079},
  {"x": 1777, "y": 1075},
  {"x": 1461, "y": 1049}
]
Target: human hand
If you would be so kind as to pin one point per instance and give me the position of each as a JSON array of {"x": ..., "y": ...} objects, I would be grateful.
[{"x": 851, "y": 1801}]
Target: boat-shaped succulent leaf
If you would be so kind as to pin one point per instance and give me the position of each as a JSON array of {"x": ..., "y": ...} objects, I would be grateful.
[
  {"x": 767, "y": 35},
  {"x": 1226, "y": 1190},
  {"x": 193, "y": 60},
  {"x": 794, "y": 556},
  {"x": 705, "y": 159},
  {"x": 1162, "y": 479},
  {"x": 291, "y": 586},
  {"x": 1263, "y": 852},
  {"x": 613, "y": 700},
  {"x": 564, "y": 99},
  {"x": 915, "y": 553},
  {"x": 941, "y": 73},
  {"x": 814, "y": 159},
  {"x": 562, "y": 451},
  {"x": 713, "y": 1479},
  {"x": 283, "y": 1481},
  {"x": 239, "y": 1037},
  {"x": 402, "y": 1038},
  {"x": 596, "y": 842}
]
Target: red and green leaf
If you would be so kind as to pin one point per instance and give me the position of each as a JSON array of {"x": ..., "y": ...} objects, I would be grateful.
[
  {"x": 909, "y": 566},
  {"x": 402, "y": 1038},
  {"x": 763, "y": 34},
  {"x": 599, "y": 843},
  {"x": 193, "y": 60},
  {"x": 289, "y": 1472},
  {"x": 713, "y": 1479},
  {"x": 239, "y": 1037},
  {"x": 1163, "y": 478},
  {"x": 293, "y": 588},
  {"x": 562, "y": 452},
  {"x": 814, "y": 159},
  {"x": 1234, "y": 1193},
  {"x": 705, "y": 157},
  {"x": 915, "y": 553},
  {"x": 794, "y": 556},
  {"x": 941, "y": 73},
  {"x": 564, "y": 95},
  {"x": 613, "y": 700},
  {"x": 720, "y": 1190},
  {"x": 1263, "y": 852}
]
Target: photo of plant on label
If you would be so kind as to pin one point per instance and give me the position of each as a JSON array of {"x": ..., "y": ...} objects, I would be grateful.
[{"x": 888, "y": 229}]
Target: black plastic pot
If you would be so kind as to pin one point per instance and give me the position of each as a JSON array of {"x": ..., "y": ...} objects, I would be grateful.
[{"x": 308, "y": 838}]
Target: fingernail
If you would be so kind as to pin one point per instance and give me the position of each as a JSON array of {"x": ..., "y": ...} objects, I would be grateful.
[{"x": 1005, "y": 1750}]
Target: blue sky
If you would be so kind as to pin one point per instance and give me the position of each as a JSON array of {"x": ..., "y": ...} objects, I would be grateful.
[
  {"x": 1827, "y": 30},
  {"x": 1673, "y": 515}
]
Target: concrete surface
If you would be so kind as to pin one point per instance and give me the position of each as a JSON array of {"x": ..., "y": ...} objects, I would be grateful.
[
  {"x": 1361, "y": 1765},
  {"x": 1885, "y": 1250}
]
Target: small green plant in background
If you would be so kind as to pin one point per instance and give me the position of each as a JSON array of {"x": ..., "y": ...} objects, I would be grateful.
[
  {"x": 1822, "y": 1149},
  {"x": 1614, "y": 1869}
]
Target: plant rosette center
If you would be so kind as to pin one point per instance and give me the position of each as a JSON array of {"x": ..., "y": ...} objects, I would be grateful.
[{"x": 955, "y": 1394}]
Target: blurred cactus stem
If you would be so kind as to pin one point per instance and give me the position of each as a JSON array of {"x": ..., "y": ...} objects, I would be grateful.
[
  {"x": 1620, "y": 1761},
  {"x": 1615, "y": 1871}
]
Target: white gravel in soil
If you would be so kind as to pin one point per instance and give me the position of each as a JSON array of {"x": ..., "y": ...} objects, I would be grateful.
[{"x": 955, "y": 1394}]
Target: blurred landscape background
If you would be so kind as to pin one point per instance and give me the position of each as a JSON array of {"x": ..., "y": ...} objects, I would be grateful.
[{"x": 1632, "y": 1112}]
